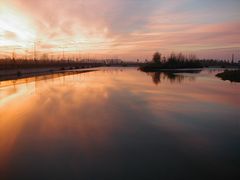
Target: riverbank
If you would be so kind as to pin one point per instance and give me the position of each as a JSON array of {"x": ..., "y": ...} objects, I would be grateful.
[
  {"x": 151, "y": 67},
  {"x": 230, "y": 75},
  {"x": 196, "y": 70},
  {"x": 25, "y": 73}
]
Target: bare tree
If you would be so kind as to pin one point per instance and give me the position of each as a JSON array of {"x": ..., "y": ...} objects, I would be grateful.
[{"x": 157, "y": 57}]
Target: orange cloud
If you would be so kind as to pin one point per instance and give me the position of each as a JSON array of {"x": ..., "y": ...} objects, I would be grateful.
[{"x": 10, "y": 35}]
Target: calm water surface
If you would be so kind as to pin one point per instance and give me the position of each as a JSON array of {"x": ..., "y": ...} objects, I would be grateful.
[{"x": 120, "y": 124}]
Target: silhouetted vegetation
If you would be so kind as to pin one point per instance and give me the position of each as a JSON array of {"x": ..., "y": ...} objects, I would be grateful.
[
  {"x": 16, "y": 68},
  {"x": 157, "y": 58},
  {"x": 174, "y": 61},
  {"x": 9, "y": 64},
  {"x": 15, "y": 64},
  {"x": 231, "y": 75},
  {"x": 180, "y": 61}
]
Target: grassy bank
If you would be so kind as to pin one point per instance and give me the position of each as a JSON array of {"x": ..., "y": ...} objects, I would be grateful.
[
  {"x": 15, "y": 69},
  {"x": 34, "y": 64},
  {"x": 27, "y": 73}
]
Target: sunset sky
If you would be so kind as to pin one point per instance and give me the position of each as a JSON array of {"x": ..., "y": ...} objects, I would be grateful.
[{"x": 127, "y": 29}]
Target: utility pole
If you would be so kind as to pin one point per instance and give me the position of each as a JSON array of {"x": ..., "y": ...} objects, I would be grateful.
[
  {"x": 232, "y": 58},
  {"x": 79, "y": 54},
  {"x": 26, "y": 52},
  {"x": 13, "y": 55},
  {"x": 34, "y": 52},
  {"x": 63, "y": 53}
]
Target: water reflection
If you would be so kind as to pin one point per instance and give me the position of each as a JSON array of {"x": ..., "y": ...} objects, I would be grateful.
[
  {"x": 116, "y": 124},
  {"x": 157, "y": 76},
  {"x": 172, "y": 76}
]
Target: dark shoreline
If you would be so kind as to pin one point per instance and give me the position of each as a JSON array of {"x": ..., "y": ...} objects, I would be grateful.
[
  {"x": 230, "y": 75},
  {"x": 40, "y": 72},
  {"x": 187, "y": 70}
]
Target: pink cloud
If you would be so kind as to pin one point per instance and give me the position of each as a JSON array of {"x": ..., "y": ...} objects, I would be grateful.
[{"x": 130, "y": 28}]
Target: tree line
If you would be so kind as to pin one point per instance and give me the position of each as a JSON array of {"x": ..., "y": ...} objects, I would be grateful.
[{"x": 180, "y": 61}]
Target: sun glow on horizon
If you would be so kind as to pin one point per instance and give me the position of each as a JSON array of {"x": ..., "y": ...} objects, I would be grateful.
[
  {"x": 20, "y": 34},
  {"x": 16, "y": 30}
]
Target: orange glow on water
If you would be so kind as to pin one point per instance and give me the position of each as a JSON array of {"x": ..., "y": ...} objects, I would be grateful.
[{"x": 88, "y": 118}]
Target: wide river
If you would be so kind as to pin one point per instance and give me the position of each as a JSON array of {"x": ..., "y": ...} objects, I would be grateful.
[{"x": 120, "y": 123}]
